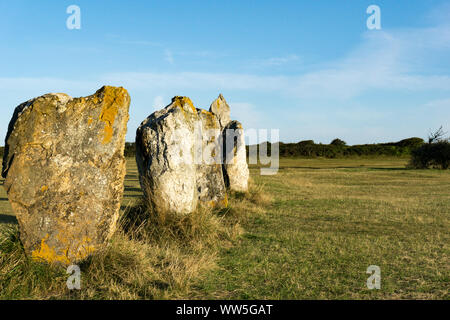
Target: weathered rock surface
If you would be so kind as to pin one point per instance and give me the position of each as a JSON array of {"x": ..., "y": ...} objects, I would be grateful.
[
  {"x": 221, "y": 110},
  {"x": 178, "y": 153},
  {"x": 165, "y": 157},
  {"x": 64, "y": 170},
  {"x": 210, "y": 182},
  {"x": 235, "y": 168}
]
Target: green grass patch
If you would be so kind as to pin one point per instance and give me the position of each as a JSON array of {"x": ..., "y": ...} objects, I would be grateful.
[{"x": 308, "y": 232}]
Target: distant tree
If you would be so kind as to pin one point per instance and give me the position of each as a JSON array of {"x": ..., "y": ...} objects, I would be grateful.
[
  {"x": 338, "y": 142},
  {"x": 435, "y": 153},
  {"x": 436, "y": 136}
]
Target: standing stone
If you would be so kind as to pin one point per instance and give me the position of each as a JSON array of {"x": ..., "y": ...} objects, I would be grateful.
[
  {"x": 64, "y": 168},
  {"x": 165, "y": 157},
  {"x": 210, "y": 181},
  {"x": 235, "y": 168},
  {"x": 178, "y": 153},
  {"x": 221, "y": 110}
]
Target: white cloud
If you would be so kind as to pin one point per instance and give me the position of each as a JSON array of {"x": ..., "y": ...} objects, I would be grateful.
[
  {"x": 248, "y": 114},
  {"x": 384, "y": 61},
  {"x": 388, "y": 61}
]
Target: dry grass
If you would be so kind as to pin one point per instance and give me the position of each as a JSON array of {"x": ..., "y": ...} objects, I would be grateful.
[
  {"x": 332, "y": 218},
  {"x": 308, "y": 232},
  {"x": 151, "y": 256}
]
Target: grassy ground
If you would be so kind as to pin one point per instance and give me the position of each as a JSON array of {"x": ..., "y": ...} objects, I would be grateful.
[{"x": 309, "y": 231}]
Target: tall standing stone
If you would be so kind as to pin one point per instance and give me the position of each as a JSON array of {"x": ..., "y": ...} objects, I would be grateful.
[
  {"x": 165, "y": 157},
  {"x": 235, "y": 168},
  {"x": 210, "y": 182},
  {"x": 64, "y": 168},
  {"x": 178, "y": 153},
  {"x": 221, "y": 110}
]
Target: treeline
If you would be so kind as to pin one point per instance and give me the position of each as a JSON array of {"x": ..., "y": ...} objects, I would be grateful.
[
  {"x": 130, "y": 149},
  {"x": 337, "y": 148}
]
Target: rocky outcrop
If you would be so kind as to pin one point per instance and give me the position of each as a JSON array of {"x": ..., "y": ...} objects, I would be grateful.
[{"x": 64, "y": 170}]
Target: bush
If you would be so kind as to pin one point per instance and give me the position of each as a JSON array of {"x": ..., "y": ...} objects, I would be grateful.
[{"x": 435, "y": 154}]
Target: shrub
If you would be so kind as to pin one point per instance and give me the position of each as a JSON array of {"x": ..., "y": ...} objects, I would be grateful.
[{"x": 436, "y": 154}]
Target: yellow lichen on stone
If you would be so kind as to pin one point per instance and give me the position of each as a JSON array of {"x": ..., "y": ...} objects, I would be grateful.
[
  {"x": 181, "y": 101},
  {"x": 46, "y": 253},
  {"x": 77, "y": 252},
  {"x": 225, "y": 201},
  {"x": 111, "y": 102},
  {"x": 218, "y": 204},
  {"x": 210, "y": 119}
]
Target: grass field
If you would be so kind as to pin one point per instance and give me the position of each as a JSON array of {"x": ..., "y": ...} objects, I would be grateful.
[{"x": 308, "y": 232}]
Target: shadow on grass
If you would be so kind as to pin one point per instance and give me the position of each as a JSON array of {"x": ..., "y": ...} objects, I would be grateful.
[
  {"x": 133, "y": 189},
  {"x": 6, "y": 218}
]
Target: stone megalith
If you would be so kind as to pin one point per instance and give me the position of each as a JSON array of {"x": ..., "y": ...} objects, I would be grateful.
[
  {"x": 235, "y": 168},
  {"x": 165, "y": 157},
  {"x": 178, "y": 153},
  {"x": 221, "y": 110},
  {"x": 210, "y": 181},
  {"x": 64, "y": 168}
]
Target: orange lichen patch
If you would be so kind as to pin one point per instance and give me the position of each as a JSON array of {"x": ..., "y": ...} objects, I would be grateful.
[
  {"x": 206, "y": 112},
  {"x": 224, "y": 202},
  {"x": 216, "y": 103},
  {"x": 47, "y": 253},
  {"x": 76, "y": 250},
  {"x": 112, "y": 99},
  {"x": 44, "y": 188},
  {"x": 210, "y": 119},
  {"x": 181, "y": 101},
  {"x": 218, "y": 204}
]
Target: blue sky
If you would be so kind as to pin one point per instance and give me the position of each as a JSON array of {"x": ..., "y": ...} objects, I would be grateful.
[{"x": 309, "y": 68}]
